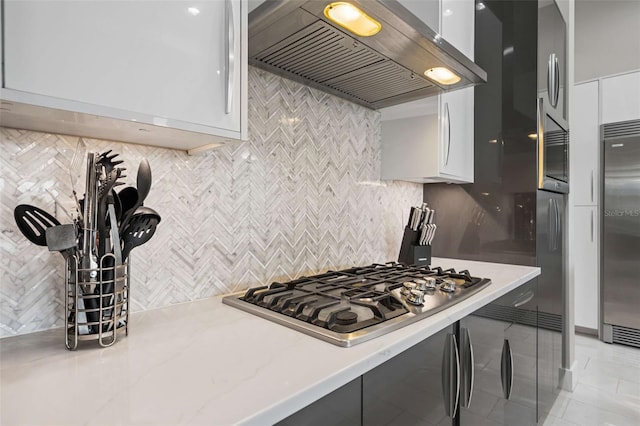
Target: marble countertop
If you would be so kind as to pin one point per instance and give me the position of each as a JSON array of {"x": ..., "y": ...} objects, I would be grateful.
[{"x": 204, "y": 363}]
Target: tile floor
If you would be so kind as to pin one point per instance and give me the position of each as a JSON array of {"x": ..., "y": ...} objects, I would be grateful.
[{"x": 608, "y": 389}]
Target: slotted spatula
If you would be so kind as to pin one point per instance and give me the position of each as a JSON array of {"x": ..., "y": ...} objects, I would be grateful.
[
  {"x": 140, "y": 230},
  {"x": 33, "y": 223}
]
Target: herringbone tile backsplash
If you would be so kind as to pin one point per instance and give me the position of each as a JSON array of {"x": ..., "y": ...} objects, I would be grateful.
[{"x": 301, "y": 196}]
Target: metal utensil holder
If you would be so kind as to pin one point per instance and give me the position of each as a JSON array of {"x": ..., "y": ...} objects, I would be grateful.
[
  {"x": 96, "y": 301},
  {"x": 96, "y": 287}
]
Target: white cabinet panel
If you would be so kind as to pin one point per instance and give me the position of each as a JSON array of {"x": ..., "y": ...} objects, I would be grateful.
[
  {"x": 585, "y": 265},
  {"x": 621, "y": 98},
  {"x": 456, "y": 134},
  {"x": 458, "y": 24},
  {"x": 410, "y": 148},
  {"x": 584, "y": 148},
  {"x": 162, "y": 62},
  {"x": 427, "y": 10}
]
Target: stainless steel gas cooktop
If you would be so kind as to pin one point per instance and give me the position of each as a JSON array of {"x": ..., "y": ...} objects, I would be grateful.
[{"x": 357, "y": 304}]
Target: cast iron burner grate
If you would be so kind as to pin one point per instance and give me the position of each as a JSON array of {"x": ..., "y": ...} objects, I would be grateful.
[{"x": 348, "y": 305}]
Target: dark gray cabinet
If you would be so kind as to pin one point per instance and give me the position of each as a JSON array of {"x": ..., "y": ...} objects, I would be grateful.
[
  {"x": 479, "y": 371},
  {"x": 408, "y": 389},
  {"x": 552, "y": 58},
  {"x": 504, "y": 338}
]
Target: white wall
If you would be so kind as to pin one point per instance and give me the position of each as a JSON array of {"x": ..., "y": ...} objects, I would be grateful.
[{"x": 607, "y": 37}]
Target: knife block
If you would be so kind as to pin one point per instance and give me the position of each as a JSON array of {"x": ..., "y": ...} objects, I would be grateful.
[{"x": 412, "y": 253}]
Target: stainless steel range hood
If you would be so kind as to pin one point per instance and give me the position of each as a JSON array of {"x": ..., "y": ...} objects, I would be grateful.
[{"x": 294, "y": 39}]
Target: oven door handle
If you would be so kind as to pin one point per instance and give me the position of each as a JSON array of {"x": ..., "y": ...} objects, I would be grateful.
[
  {"x": 541, "y": 168},
  {"x": 553, "y": 80}
]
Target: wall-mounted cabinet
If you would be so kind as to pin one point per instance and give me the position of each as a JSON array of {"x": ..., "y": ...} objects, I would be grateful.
[
  {"x": 161, "y": 73},
  {"x": 621, "y": 98},
  {"x": 552, "y": 58},
  {"x": 432, "y": 140},
  {"x": 585, "y": 158}
]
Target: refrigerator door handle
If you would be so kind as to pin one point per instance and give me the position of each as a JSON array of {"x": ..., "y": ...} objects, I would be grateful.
[
  {"x": 506, "y": 369},
  {"x": 451, "y": 375},
  {"x": 468, "y": 368}
]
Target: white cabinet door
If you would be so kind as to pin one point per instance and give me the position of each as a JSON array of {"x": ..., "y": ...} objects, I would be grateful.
[
  {"x": 621, "y": 98},
  {"x": 456, "y": 134},
  {"x": 167, "y": 60},
  {"x": 409, "y": 149},
  {"x": 585, "y": 265},
  {"x": 584, "y": 147},
  {"x": 456, "y": 108}
]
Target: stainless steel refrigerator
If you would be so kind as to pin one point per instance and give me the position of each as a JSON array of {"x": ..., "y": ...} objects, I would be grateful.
[{"x": 620, "y": 281}]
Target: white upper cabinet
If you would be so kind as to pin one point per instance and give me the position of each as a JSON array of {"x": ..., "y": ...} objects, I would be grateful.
[
  {"x": 151, "y": 65},
  {"x": 585, "y": 148},
  {"x": 458, "y": 23},
  {"x": 432, "y": 140},
  {"x": 427, "y": 10},
  {"x": 621, "y": 98}
]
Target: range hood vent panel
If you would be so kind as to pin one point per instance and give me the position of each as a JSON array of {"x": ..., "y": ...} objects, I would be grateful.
[
  {"x": 318, "y": 53},
  {"x": 293, "y": 39},
  {"x": 380, "y": 82}
]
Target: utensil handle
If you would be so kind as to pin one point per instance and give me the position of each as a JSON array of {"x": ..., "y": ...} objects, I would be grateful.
[{"x": 229, "y": 55}]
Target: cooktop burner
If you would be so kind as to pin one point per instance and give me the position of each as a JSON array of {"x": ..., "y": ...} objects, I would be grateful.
[{"x": 357, "y": 304}]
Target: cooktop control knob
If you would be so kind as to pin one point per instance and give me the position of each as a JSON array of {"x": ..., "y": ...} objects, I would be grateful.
[
  {"x": 408, "y": 286},
  {"x": 448, "y": 285},
  {"x": 420, "y": 284},
  {"x": 430, "y": 283},
  {"x": 415, "y": 297}
]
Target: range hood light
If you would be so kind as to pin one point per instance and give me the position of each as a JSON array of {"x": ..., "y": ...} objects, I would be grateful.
[
  {"x": 442, "y": 75},
  {"x": 533, "y": 136},
  {"x": 352, "y": 19}
]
